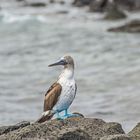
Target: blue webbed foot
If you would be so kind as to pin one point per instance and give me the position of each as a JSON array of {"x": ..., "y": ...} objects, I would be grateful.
[
  {"x": 66, "y": 115},
  {"x": 69, "y": 115}
]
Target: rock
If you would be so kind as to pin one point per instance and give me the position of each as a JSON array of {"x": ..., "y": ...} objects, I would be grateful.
[
  {"x": 62, "y": 2},
  {"x": 128, "y": 4},
  {"x": 57, "y": 1},
  {"x": 72, "y": 134},
  {"x": 98, "y": 5},
  {"x": 81, "y": 2},
  {"x": 131, "y": 27},
  {"x": 135, "y": 133},
  {"x": 52, "y": 1},
  {"x": 36, "y": 4},
  {"x": 94, "y": 5},
  {"x": 137, "y": 4},
  {"x": 79, "y": 114},
  {"x": 76, "y": 128},
  {"x": 117, "y": 137},
  {"x": 114, "y": 13},
  {"x": 103, "y": 5},
  {"x": 7, "y": 129}
]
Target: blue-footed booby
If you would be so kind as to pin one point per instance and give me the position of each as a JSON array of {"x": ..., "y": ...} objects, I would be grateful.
[{"x": 62, "y": 93}]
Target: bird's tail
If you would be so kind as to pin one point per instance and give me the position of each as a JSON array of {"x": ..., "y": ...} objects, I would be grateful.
[{"x": 45, "y": 116}]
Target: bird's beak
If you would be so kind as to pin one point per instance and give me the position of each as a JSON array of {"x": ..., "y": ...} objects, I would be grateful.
[{"x": 61, "y": 62}]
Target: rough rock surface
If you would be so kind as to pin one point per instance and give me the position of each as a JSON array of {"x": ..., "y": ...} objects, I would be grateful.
[
  {"x": 135, "y": 133},
  {"x": 131, "y": 27},
  {"x": 6, "y": 129},
  {"x": 117, "y": 137},
  {"x": 77, "y": 128}
]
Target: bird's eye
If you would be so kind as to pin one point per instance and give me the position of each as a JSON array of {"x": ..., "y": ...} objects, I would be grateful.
[{"x": 63, "y": 62}]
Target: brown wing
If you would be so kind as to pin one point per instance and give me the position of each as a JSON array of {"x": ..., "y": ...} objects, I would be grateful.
[{"x": 52, "y": 95}]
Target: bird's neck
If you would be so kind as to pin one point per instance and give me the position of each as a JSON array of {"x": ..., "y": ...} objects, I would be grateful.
[{"x": 67, "y": 73}]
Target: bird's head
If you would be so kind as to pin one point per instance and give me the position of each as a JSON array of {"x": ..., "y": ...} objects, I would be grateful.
[{"x": 66, "y": 61}]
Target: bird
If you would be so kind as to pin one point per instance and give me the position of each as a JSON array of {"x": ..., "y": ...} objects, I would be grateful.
[{"x": 61, "y": 94}]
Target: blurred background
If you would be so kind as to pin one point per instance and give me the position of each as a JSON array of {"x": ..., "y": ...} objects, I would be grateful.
[{"x": 103, "y": 36}]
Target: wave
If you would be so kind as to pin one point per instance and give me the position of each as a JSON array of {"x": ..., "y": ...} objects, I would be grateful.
[{"x": 7, "y": 17}]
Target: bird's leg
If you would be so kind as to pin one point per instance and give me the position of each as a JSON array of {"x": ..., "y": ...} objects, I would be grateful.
[
  {"x": 66, "y": 112},
  {"x": 66, "y": 115}
]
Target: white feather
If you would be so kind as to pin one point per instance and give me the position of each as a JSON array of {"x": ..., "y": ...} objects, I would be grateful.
[{"x": 66, "y": 80}]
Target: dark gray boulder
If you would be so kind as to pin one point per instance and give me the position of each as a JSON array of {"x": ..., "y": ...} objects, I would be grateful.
[
  {"x": 36, "y": 4},
  {"x": 114, "y": 13},
  {"x": 131, "y": 27},
  {"x": 80, "y": 3},
  {"x": 98, "y": 5},
  {"x": 33, "y": 3},
  {"x": 103, "y": 5},
  {"x": 128, "y": 4}
]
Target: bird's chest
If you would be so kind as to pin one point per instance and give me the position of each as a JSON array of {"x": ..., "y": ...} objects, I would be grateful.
[
  {"x": 68, "y": 90},
  {"x": 67, "y": 94},
  {"x": 68, "y": 87}
]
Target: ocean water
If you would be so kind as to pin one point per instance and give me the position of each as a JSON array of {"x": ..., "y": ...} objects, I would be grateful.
[{"x": 107, "y": 64}]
